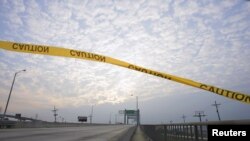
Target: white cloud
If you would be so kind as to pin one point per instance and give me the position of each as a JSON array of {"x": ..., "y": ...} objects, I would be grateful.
[
  {"x": 14, "y": 9},
  {"x": 180, "y": 38}
]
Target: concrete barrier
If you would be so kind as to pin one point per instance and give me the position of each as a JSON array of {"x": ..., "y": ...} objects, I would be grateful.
[{"x": 42, "y": 124}]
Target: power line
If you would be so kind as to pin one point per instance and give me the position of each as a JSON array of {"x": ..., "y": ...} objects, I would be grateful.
[{"x": 216, "y": 106}]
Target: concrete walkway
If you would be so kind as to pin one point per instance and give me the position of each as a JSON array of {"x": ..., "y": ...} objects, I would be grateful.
[{"x": 139, "y": 135}]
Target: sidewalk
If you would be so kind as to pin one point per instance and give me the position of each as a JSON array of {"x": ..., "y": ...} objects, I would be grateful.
[{"x": 139, "y": 135}]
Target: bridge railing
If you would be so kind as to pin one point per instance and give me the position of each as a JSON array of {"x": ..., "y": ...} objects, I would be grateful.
[{"x": 185, "y": 131}]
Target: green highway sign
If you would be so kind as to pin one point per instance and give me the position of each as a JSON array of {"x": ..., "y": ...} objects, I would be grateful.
[{"x": 130, "y": 112}]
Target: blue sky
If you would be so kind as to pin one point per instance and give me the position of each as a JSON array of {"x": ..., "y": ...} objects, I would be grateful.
[{"x": 207, "y": 41}]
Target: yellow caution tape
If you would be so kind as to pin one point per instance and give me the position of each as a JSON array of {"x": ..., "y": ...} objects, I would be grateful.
[{"x": 56, "y": 51}]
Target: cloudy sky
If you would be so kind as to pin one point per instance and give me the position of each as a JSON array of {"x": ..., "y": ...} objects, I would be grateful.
[{"x": 203, "y": 40}]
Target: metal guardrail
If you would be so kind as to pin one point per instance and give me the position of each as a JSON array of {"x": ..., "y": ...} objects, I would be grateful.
[
  {"x": 186, "y": 131},
  {"x": 18, "y": 118},
  {"x": 175, "y": 132}
]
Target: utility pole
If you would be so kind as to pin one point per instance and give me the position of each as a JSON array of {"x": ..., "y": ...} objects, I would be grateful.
[
  {"x": 216, "y": 106},
  {"x": 110, "y": 118},
  {"x": 184, "y": 117},
  {"x": 62, "y": 119},
  {"x": 55, "y": 114},
  {"x": 115, "y": 118},
  {"x": 199, "y": 114},
  {"x": 36, "y": 117}
]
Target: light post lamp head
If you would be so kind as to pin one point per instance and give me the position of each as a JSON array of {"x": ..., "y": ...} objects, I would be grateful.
[{"x": 21, "y": 71}]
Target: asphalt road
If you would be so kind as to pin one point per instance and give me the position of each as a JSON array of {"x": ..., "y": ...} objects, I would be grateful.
[{"x": 86, "y": 133}]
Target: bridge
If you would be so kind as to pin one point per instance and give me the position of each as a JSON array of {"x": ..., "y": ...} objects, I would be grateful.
[{"x": 41, "y": 130}]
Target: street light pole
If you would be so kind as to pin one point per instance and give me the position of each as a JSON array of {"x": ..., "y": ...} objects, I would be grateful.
[
  {"x": 91, "y": 116},
  {"x": 137, "y": 103},
  {"x": 11, "y": 91},
  {"x": 137, "y": 112}
]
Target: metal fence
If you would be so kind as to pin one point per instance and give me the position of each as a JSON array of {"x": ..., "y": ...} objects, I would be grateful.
[{"x": 185, "y": 131}]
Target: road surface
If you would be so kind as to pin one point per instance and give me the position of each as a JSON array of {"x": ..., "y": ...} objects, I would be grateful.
[{"x": 85, "y": 133}]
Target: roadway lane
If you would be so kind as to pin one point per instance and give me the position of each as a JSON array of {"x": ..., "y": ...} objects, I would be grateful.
[{"x": 85, "y": 133}]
